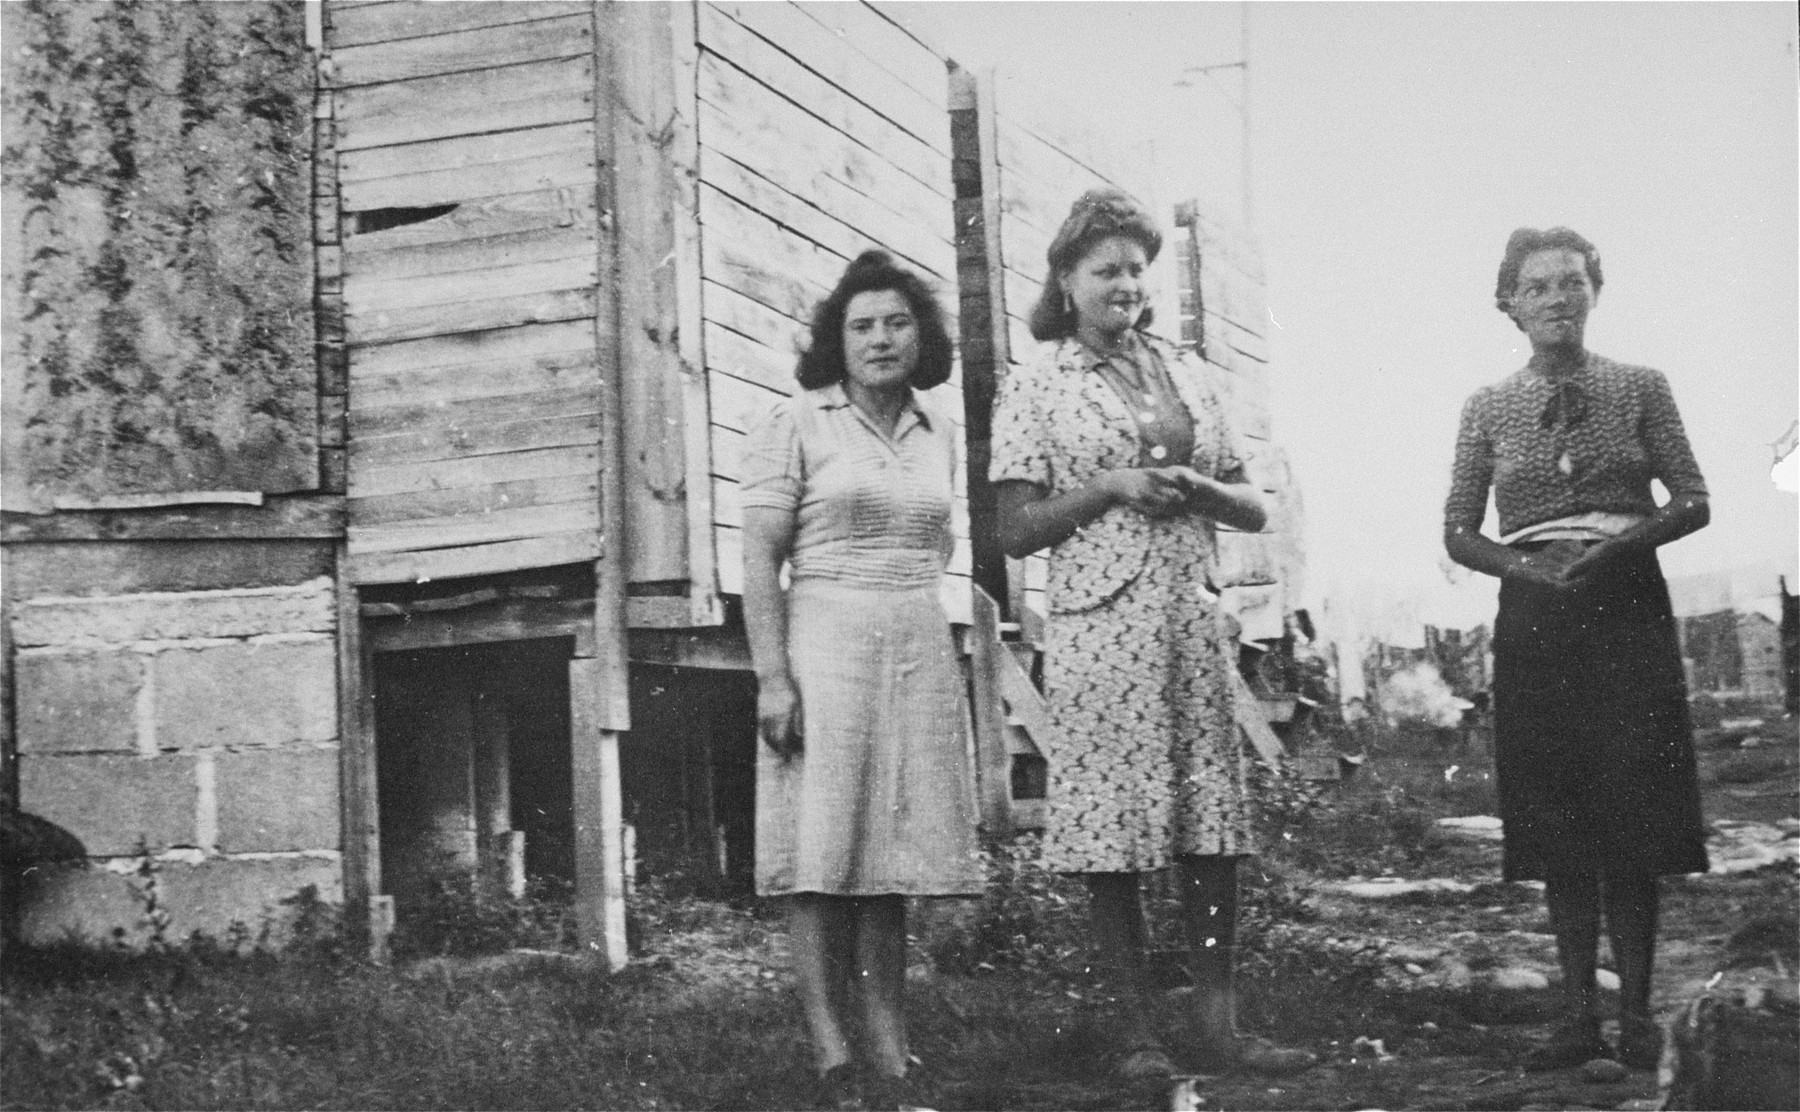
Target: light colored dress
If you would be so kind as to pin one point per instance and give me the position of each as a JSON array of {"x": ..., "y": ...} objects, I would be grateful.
[
  {"x": 882, "y": 800},
  {"x": 1137, "y": 653}
]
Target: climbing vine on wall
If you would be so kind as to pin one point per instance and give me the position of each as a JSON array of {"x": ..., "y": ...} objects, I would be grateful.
[{"x": 157, "y": 171}]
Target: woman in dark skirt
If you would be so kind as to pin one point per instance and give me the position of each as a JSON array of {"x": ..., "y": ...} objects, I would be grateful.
[{"x": 1593, "y": 746}]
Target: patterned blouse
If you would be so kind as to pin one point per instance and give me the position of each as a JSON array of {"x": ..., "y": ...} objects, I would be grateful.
[
  {"x": 1058, "y": 424},
  {"x": 869, "y": 509},
  {"x": 1554, "y": 449}
]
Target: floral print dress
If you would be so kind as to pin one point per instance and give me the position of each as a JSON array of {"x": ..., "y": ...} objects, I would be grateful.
[{"x": 1147, "y": 763}]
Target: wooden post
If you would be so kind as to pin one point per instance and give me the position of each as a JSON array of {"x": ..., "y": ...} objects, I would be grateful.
[
  {"x": 667, "y": 487},
  {"x": 359, "y": 798},
  {"x": 993, "y": 763},
  {"x": 493, "y": 792},
  {"x": 599, "y": 699}
]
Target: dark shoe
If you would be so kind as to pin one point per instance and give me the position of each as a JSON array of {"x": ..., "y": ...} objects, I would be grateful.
[
  {"x": 1640, "y": 1042},
  {"x": 1573, "y": 1042},
  {"x": 1259, "y": 1055},
  {"x": 838, "y": 1090},
  {"x": 887, "y": 1093},
  {"x": 1143, "y": 1064},
  {"x": 1255, "y": 1054}
]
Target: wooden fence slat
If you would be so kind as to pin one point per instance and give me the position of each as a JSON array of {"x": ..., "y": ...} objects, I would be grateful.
[
  {"x": 522, "y": 523},
  {"x": 377, "y": 481},
  {"x": 531, "y": 95},
  {"x": 540, "y": 40},
  {"x": 804, "y": 37},
  {"x": 356, "y": 24},
  {"x": 484, "y": 559},
  {"x": 479, "y": 497}
]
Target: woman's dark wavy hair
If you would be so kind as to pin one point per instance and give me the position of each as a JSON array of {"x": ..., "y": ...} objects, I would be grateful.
[
  {"x": 823, "y": 361},
  {"x": 1096, "y": 215},
  {"x": 1523, "y": 242}
]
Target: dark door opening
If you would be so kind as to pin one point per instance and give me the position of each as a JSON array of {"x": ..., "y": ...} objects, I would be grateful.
[
  {"x": 688, "y": 772},
  {"x": 473, "y": 772}
]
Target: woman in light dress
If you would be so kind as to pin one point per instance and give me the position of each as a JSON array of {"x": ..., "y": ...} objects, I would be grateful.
[{"x": 865, "y": 795}]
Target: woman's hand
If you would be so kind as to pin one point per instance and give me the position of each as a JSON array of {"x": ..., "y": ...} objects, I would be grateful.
[
  {"x": 778, "y": 718},
  {"x": 1597, "y": 557},
  {"x": 1155, "y": 491}
]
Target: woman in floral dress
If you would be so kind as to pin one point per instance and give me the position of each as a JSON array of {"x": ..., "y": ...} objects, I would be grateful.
[{"x": 1111, "y": 451}]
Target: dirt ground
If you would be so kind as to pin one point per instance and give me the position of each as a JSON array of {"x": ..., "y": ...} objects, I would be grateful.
[{"x": 1427, "y": 998}]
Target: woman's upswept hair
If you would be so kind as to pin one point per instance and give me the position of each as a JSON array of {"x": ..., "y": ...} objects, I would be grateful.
[
  {"x": 823, "y": 361},
  {"x": 1096, "y": 215},
  {"x": 1523, "y": 242}
]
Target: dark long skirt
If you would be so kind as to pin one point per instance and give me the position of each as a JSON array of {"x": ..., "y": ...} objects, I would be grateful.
[{"x": 1592, "y": 742}]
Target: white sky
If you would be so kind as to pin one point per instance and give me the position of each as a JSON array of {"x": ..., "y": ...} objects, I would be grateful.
[{"x": 1394, "y": 147}]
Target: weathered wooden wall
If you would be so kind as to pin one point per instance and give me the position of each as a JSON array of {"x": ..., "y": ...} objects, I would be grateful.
[
  {"x": 1016, "y": 176},
  {"x": 823, "y": 131},
  {"x": 467, "y": 159},
  {"x": 158, "y": 277},
  {"x": 1018, "y": 169}
]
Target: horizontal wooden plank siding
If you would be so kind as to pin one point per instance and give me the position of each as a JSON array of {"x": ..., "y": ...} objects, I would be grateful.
[
  {"x": 354, "y": 24},
  {"x": 570, "y": 36},
  {"x": 823, "y": 132},
  {"x": 469, "y": 181}
]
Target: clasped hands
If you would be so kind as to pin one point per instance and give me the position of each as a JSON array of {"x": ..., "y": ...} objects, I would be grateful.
[
  {"x": 1565, "y": 564},
  {"x": 1158, "y": 491}
]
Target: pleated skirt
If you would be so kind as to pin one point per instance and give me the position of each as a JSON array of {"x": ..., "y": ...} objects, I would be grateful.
[
  {"x": 882, "y": 800},
  {"x": 1593, "y": 745}
]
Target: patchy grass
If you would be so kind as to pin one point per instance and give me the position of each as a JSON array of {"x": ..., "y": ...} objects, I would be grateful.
[{"x": 1001, "y": 1010}]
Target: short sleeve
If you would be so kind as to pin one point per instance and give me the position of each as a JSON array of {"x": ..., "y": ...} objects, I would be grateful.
[
  {"x": 1020, "y": 432},
  {"x": 1665, "y": 441},
  {"x": 1472, "y": 472},
  {"x": 773, "y": 472}
]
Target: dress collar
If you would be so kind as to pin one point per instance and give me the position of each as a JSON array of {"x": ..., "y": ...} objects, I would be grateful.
[{"x": 835, "y": 396}]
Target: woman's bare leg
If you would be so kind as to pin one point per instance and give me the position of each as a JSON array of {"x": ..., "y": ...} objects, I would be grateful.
[
  {"x": 821, "y": 935},
  {"x": 880, "y": 980}
]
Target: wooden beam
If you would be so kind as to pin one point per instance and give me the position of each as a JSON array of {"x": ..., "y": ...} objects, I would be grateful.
[
  {"x": 993, "y": 764},
  {"x": 715, "y": 648},
  {"x": 278, "y": 517},
  {"x": 1248, "y": 710},
  {"x": 512, "y": 619},
  {"x": 359, "y": 805},
  {"x": 645, "y": 115},
  {"x": 599, "y": 818},
  {"x": 696, "y": 427}
]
